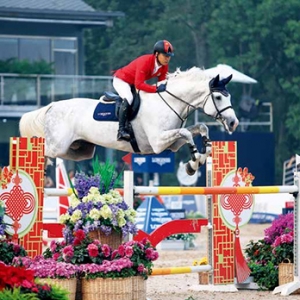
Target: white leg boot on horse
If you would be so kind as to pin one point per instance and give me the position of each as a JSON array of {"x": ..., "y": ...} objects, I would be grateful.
[
  {"x": 123, "y": 134},
  {"x": 197, "y": 159}
]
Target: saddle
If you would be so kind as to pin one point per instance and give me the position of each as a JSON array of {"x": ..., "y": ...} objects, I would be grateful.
[{"x": 108, "y": 110}]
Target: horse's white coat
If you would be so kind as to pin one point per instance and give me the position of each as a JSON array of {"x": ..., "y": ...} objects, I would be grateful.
[{"x": 156, "y": 126}]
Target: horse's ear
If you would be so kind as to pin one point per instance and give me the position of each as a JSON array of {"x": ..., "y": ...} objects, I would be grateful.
[
  {"x": 226, "y": 80},
  {"x": 214, "y": 82}
]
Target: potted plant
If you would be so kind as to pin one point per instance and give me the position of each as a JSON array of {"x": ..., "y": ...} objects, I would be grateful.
[
  {"x": 142, "y": 255},
  {"x": 266, "y": 255},
  {"x": 51, "y": 272},
  {"x": 9, "y": 250},
  {"x": 98, "y": 209},
  {"x": 16, "y": 281}
]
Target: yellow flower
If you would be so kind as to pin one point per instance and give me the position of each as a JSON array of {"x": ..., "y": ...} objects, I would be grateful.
[
  {"x": 77, "y": 214},
  {"x": 106, "y": 212},
  {"x": 74, "y": 202},
  {"x": 116, "y": 195},
  {"x": 131, "y": 215},
  {"x": 90, "y": 198},
  {"x": 109, "y": 199},
  {"x": 95, "y": 214},
  {"x": 94, "y": 191},
  {"x": 203, "y": 261},
  {"x": 121, "y": 221},
  {"x": 85, "y": 199},
  {"x": 64, "y": 218}
]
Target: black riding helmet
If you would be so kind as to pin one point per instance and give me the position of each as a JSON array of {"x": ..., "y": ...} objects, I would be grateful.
[{"x": 164, "y": 47}]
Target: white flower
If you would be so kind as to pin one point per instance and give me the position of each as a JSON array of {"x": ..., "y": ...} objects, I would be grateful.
[
  {"x": 95, "y": 214},
  {"x": 77, "y": 214},
  {"x": 106, "y": 212}
]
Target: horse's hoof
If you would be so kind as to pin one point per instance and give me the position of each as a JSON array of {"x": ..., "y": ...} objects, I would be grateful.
[{"x": 189, "y": 170}]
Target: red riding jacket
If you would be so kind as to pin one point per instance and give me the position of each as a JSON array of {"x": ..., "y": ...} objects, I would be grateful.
[{"x": 140, "y": 70}]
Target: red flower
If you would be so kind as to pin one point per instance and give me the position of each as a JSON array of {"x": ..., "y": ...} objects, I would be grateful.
[
  {"x": 121, "y": 250},
  {"x": 77, "y": 242},
  {"x": 15, "y": 276},
  {"x": 80, "y": 234},
  {"x": 93, "y": 250},
  {"x": 128, "y": 251},
  {"x": 56, "y": 256},
  {"x": 106, "y": 250}
]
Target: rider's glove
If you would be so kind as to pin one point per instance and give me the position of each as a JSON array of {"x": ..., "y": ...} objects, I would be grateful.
[{"x": 161, "y": 88}]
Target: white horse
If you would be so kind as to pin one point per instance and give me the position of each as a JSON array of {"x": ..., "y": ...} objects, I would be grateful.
[{"x": 71, "y": 133}]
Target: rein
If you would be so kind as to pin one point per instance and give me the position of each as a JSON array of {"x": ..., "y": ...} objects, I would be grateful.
[
  {"x": 183, "y": 101},
  {"x": 218, "y": 116}
]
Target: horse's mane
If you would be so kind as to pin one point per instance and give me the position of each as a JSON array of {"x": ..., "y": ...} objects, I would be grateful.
[{"x": 192, "y": 73}]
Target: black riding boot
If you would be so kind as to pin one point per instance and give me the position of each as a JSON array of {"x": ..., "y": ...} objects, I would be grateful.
[{"x": 123, "y": 134}]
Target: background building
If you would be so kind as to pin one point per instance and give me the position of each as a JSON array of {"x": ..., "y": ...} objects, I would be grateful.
[{"x": 50, "y": 31}]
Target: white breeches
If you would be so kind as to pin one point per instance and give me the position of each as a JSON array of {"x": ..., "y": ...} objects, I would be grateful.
[{"x": 123, "y": 89}]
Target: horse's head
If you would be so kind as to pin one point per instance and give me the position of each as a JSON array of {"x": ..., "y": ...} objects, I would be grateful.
[{"x": 218, "y": 104}]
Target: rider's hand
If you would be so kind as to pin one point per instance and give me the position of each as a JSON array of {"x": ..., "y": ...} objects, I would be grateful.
[{"x": 161, "y": 88}]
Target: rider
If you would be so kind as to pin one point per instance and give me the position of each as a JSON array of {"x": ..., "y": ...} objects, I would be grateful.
[{"x": 136, "y": 73}]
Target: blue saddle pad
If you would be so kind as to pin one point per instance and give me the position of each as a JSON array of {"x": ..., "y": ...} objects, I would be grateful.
[{"x": 105, "y": 112}]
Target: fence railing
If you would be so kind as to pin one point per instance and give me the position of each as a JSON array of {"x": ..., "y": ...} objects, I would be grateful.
[
  {"x": 21, "y": 93},
  {"x": 29, "y": 91}
]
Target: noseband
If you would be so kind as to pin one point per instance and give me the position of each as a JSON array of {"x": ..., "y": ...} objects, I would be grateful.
[{"x": 218, "y": 115}]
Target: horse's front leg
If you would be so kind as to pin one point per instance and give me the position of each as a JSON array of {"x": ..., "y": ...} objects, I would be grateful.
[
  {"x": 197, "y": 129},
  {"x": 170, "y": 137}
]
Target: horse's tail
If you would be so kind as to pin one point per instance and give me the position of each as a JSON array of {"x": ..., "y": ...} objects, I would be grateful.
[{"x": 32, "y": 123}]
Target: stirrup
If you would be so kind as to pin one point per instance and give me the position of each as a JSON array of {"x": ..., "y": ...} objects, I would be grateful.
[{"x": 123, "y": 136}]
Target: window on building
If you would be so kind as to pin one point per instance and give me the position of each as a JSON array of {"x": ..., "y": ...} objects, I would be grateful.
[
  {"x": 8, "y": 48},
  {"x": 35, "y": 49},
  {"x": 62, "y": 52}
]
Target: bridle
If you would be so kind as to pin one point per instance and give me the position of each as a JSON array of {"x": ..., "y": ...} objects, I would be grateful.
[{"x": 217, "y": 117}]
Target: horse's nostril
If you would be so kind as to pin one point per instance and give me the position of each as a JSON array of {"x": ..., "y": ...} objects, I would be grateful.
[{"x": 232, "y": 124}]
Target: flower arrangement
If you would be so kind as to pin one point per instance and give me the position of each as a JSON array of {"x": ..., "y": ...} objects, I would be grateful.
[
  {"x": 95, "y": 205},
  {"x": 99, "y": 260},
  {"x": 82, "y": 250},
  {"x": 120, "y": 268},
  {"x": 141, "y": 254},
  {"x": 9, "y": 250},
  {"x": 47, "y": 268},
  {"x": 18, "y": 282},
  {"x": 265, "y": 255}
]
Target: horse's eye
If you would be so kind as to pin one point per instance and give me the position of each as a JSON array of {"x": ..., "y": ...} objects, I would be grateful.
[{"x": 218, "y": 98}]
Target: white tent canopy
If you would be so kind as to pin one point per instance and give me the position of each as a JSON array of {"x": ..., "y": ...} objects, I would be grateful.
[{"x": 225, "y": 70}]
